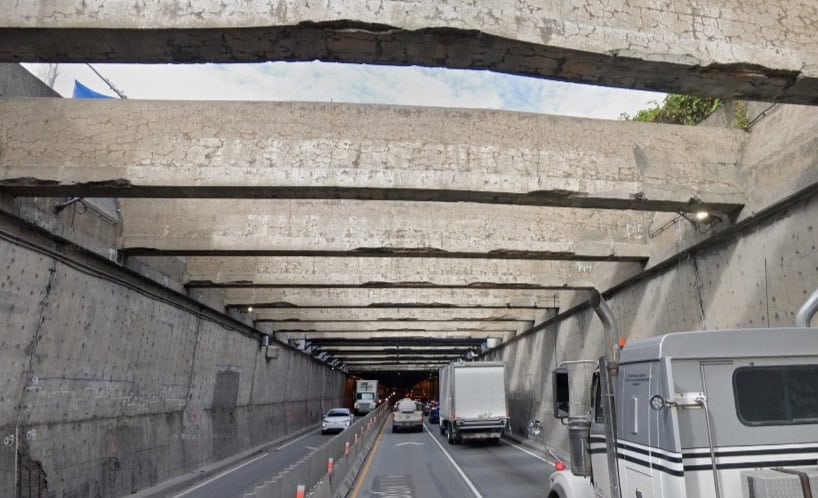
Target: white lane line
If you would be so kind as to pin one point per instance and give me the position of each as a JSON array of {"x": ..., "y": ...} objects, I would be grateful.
[
  {"x": 194, "y": 488},
  {"x": 310, "y": 448},
  {"x": 454, "y": 464},
  {"x": 538, "y": 457},
  {"x": 294, "y": 441}
]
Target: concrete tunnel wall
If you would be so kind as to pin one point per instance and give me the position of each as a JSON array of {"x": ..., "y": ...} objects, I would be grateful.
[
  {"x": 756, "y": 278},
  {"x": 110, "y": 389}
]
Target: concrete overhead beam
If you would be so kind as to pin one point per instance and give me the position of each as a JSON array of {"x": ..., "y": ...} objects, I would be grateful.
[
  {"x": 417, "y": 341},
  {"x": 355, "y": 353},
  {"x": 391, "y": 314},
  {"x": 402, "y": 272},
  {"x": 752, "y": 50},
  {"x": 197, "y": 227},
  {"x": 54, "y": 147},
  {"x": 260, "y": 298},
  {"x": 398, "y": 326},
  {"x": 396, "y": 336}
]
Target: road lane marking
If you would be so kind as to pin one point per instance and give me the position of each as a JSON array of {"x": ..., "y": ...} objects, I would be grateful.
[
  {"x": 310, "y": 448},
  {"x": 194, "y": 488},
  {"x": 451, "y": 460},
  {"x": 369, "y": 459},
  {"x": 311, "y": 433},
  {"x": 410, "y": 443},
  {"x": 538, "y": 457}
]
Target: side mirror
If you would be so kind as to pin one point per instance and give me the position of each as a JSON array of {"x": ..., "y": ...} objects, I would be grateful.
[{"x": 561, "y": 392}]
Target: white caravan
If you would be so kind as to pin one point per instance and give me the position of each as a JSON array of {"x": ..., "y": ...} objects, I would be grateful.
[
  {"x": 473, "y": 401},
  {"x": 366, "y": 396},
  {"x": 719, "y": 414}
]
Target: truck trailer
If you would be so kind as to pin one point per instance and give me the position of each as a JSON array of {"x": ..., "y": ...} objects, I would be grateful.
[
  {"x": 366, "y": 396},
  {"x": 473, "y": 403},
  {"x": 705, "y": 414}
]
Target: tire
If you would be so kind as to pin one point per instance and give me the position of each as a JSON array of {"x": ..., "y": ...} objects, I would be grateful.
[
  {"x": 495, "y": 441},
  {"x": 449, "y": 435},
  {"x": 420, "y": 428},
  {"x": 442, "y": 430},
  {"x": 394, "y": 429}
]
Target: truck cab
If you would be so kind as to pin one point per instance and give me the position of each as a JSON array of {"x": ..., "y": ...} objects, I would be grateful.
[{"x": 710, "y": 414}]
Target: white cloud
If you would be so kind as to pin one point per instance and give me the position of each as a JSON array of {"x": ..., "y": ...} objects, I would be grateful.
[{"x": 355, "y": 83}]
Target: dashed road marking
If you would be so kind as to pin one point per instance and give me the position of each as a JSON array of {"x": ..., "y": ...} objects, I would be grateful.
[{"x": 454, "y": 464}]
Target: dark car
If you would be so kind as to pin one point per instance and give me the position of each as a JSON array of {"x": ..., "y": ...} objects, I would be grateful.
[{"x": 434, "y": 415}]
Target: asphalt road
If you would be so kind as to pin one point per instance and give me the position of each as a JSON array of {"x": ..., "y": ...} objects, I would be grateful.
[
  {"x": 412, "y": 465},
  {"x": 233, "y": 482}
]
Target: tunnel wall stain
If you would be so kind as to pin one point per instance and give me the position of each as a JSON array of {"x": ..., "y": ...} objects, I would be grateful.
[{"x": 111, "y": 390}]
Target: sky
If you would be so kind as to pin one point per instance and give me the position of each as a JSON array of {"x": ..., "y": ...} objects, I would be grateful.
[{"x": 353, "y": 83}]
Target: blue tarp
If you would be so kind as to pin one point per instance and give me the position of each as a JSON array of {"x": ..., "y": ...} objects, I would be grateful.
[{"x": 83, "y": 92}]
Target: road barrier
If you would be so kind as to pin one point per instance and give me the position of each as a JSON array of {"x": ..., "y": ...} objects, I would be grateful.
[{"x": 330, "y": 470}]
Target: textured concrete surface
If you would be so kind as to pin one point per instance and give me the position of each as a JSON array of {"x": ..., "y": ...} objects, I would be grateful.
[
  {"x": 381, "y": 314},
  {"x": 758, "y": 277},
  {"x": 302, "y": 150},
  {"x": 16, "y": 81},
  {"x": 399, "y": 334},
  {"x": 385, "y": 325},
  {"x": 111, "y": 385},
  {"x": 449, "y": 298},
  {"x": 724, "y": 48},
  {"x": 338, "y": 227},
  {"x": 400, "y": 272}
]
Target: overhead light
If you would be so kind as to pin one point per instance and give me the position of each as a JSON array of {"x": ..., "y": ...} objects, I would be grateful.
[
  {"x": 249, "y": 309},
  {"x": 702, "y": 215}
]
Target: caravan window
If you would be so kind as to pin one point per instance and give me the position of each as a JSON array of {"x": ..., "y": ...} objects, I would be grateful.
[{"x": 778, "y": 395}]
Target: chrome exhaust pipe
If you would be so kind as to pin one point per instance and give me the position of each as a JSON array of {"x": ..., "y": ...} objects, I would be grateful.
[
  {"x": 606, "y": 316},
  {"x": 807, "y": 311}
]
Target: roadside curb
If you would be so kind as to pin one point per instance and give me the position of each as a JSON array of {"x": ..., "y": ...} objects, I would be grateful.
[{"x": 192, "y": 478}]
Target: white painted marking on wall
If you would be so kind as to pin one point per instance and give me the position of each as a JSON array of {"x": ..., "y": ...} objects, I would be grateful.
[
  {"x": 248, "y": 462},
  {"x": 454, "y": 464}
]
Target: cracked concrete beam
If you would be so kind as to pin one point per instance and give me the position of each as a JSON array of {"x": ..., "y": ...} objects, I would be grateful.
[
  {"x": 395, "y": 337},
  {"x": 391, "y": 298},
  {"x": 418, "y": 273},
  {"x": 54, "y": 147},
  {"x": 400, "y": 326},
  {"x": 383, "y": 314},
  {"x": 726, "y": 48},
  {"x": 398, "y": 229}
]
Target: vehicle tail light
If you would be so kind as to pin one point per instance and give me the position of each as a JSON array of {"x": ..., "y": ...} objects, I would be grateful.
[{"x": 559, "y": 466}]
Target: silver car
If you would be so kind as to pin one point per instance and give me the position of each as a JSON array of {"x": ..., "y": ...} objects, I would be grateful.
[{"x": 336, "y": 420}]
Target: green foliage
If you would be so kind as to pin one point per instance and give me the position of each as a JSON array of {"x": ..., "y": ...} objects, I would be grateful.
[
  {"x": 677, "y": 109},
  {"x": 742, "y": 121}
]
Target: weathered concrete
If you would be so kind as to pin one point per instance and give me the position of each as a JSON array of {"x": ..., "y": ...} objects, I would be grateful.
[
  {"x": 301, "y": 150},
  {"x": 391, "y": 314},
  {"x": 112, "y": 383},
  {"x": 386, "y": 298},
  {"x": 400, "y": 272},
  {"x": 359, "y": 228},
  {"x": 15, "y": 81},
  {"x": 725, "y": 48},
  {"x": 396, "y": 335},
  {"x": 755, "y": 277},
  {"x": 396, "y": 325}
]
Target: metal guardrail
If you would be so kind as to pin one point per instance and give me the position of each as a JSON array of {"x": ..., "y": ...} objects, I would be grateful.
[{"x": 330, "y": 470}]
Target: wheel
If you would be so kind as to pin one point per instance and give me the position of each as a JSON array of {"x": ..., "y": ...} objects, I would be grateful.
[
  {"x": 420, "y": 428},
  {"x": 394, "y": 429},
  {"x": 323, "y": 432},
  {"x": 449, "y": 435},
  {"x": 495, "y": 441},
  {"x": 442, "y": 430}
]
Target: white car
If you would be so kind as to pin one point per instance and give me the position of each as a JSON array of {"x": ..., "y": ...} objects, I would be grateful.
[
  {"x": 336, "y": 420},
  {"x": 407, "y": 415}
]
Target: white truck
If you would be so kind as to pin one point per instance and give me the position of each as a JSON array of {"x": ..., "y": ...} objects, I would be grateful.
[
  {"x": 718, "y": 414},
  {"x": 366, "y": 396},
  {"x": 473, "y": 401}
]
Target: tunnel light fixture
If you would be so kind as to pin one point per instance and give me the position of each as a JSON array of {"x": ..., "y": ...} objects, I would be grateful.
[
  {"x": 249, "y": 309},
  {"x": 702, "y": 215}
]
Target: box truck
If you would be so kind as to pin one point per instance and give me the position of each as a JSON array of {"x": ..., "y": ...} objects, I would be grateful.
[
  {"x": 366, "y": 396},
  {"x": 473, "y": 401},
  {"x": 706, "y": 414}
]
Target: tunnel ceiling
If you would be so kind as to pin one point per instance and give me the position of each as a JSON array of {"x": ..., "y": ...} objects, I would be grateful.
[{"x": 387, "y": 239}]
